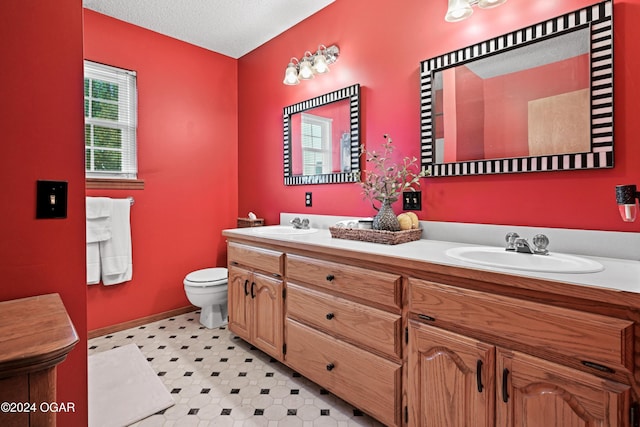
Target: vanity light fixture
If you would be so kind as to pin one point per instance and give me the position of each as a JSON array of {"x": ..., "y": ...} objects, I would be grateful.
[
  {"x": 627, "y": 199},
  {"x": 462, "y": 9},
  {"x": 310, "y": 64}
]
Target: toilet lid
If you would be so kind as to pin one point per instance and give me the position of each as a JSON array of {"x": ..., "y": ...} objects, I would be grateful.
[{"x": 208, "y": 275}]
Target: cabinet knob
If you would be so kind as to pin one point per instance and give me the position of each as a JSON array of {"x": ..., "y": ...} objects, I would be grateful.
[
  {"x": 330, "y": 316},
  {"x": 330, "y": 366},
  {"x": 330, "y": 277}
]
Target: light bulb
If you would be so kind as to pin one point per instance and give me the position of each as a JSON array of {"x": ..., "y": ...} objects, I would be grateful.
[
  {"x": 458, "y": 10},
  {"x": 291, "y": 75},
  {"x": 306, "y": 70},
  {"x": 320, "y": 65}
]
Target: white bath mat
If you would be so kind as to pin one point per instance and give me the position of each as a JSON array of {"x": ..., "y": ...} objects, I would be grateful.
[{"x": 123, "y": 388}]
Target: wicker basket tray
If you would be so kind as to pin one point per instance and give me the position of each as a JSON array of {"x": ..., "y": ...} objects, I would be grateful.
[{"x": 376, "y": 236}]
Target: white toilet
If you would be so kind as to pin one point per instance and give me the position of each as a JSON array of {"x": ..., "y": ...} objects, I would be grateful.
[{"x": 207, "y": 289}]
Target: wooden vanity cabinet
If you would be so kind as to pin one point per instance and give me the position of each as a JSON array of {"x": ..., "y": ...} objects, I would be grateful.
[
  {"x": 534, "y": 392},
  {"x": 458, "y": 379},
  {"x": 421, "y": 348},
  {"x": 256, "y": 297},
  {"x": 343, "y": 328},
  {"x": 452, "y": 379}
]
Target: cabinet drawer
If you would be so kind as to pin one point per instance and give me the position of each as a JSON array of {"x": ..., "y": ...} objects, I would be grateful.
[
  {"x": 360, "y": 324},
  {"x": 373, "y": 286},
  {"x": 259, "y": 258},
  {"x": 369, "y": 382},
  {"x": 587, "y": 337}
]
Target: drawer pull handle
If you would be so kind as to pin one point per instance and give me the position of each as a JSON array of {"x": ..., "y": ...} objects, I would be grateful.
[
  {"x": 330, "y": 277},
  {"x": 246, "y": 291},
  {"x": 330, "y": 366},
  {"x": 330, "y": 316},
  {"x": 479, "y": 375},
  {"x": 598, "y": 366},
  {"x": 505, "y": 393},
  {"x": 427, "y": 318},
  {"x": 253, "y": 285}
]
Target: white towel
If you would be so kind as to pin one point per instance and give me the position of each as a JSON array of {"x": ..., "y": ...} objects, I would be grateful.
[
  {"x": 115, "y": 253},
  {"x": 93, "y": 263},
  {"x": 98, "y": 207},
  {"x": 98, "y": 211}
]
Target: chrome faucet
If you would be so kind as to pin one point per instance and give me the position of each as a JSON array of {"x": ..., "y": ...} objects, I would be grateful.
[
  {"x": 302, "y": 224},
  {"x": 518, "y": 244}
]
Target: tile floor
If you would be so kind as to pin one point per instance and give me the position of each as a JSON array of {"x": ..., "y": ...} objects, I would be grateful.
[{"x": 217, "y": 379}]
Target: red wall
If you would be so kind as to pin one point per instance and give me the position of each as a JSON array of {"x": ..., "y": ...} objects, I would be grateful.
[
  {"x": 187, "y": 156},
  {"x": 42, "y": 138},
  {"x": 196, "y": 127},
  {"x": 381, "y": 46},
  {"x": 506, "y": 132},
  {"x": 470, "y": 115}
]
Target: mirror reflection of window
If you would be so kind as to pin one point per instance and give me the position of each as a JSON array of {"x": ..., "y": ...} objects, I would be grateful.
[
  {"x": 316, "y": 144},
  {"x": 322, "y": 139}
]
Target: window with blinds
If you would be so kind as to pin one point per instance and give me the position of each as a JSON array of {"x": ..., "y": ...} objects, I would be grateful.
[
  {"x": 316, "y": 145},
  {"x": 110, "y": 122}
]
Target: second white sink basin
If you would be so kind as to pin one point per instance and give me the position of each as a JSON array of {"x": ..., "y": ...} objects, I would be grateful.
[
  {"x": 499, "y": 257},
  {"x": 283, "y": 230}
]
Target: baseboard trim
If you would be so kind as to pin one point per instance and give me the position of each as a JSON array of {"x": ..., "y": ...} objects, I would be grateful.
[{"x": 138, "y": 322}]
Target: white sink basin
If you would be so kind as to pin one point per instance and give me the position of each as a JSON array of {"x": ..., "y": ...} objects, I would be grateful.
[
  {"x": 499, "y": 257},
  {"x": 283, "y": 230}
]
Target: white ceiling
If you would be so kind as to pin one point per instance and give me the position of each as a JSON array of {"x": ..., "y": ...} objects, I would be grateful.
[{"x": 229, "y": 27}]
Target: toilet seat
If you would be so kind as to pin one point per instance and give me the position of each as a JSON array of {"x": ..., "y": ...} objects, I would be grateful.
[{"x": 207, "y": 277}]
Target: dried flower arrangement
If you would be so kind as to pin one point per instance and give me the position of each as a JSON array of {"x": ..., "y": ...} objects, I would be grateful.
[{"x": 387, "y": 180}]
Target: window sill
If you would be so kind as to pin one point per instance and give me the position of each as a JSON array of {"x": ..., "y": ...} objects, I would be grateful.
[{"x": 114, "y": 184}]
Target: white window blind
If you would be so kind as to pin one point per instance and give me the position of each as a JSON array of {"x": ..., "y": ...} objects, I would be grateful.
[
  {"x": 316, "y": 144},
  {"x": 110, "y": 117}
]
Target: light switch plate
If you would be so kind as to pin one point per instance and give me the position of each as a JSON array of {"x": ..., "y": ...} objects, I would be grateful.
[
  {"x": 412, "y": 200},
  {"x": 51, "y": 199}
]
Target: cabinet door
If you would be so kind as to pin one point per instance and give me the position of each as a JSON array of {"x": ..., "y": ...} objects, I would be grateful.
[
  {"x": 267, "y": 323},
  {"x": 532, "y": 392},
  {"x": 239, "y": 302},
  {"x": 451, "y": 379}
]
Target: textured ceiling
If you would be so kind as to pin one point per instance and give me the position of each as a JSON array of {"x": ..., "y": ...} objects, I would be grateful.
[
  {"x": 534, "y": 55},
  {"x": 229, "y": 27}
]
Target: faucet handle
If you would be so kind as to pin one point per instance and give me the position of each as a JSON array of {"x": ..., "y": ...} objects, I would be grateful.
[
  {"x": 511, "y": 241},
  {"x": 540, "y": 242}
]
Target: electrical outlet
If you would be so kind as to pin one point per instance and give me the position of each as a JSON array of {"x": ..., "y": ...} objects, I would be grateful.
[
  {"x": 412, "y": 200},
  {"x": 307, "y": 199}
]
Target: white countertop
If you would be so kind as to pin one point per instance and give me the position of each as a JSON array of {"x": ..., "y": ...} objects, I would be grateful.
[{"x": 618, "y": 274}]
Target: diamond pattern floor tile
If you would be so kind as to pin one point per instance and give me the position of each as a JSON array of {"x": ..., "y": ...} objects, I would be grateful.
[{"x": 219, "y": 380}]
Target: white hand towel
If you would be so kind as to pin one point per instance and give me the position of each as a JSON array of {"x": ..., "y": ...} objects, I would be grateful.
[
  {"x": 98, "y": 211},
  {"x": 93, "y": 263},
  {"x": 98, "y": 207},
  {"x": 115, "y": 253}
]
